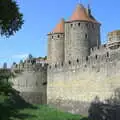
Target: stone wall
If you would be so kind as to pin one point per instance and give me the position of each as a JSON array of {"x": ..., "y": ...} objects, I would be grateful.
[
  {"x": 31, "y": 82},
  {"x": 73, "y": 86}
]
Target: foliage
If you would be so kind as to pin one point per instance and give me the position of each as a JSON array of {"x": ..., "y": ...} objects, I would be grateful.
[
  {"x": 6, "y": 91},
  {"x": 11, "y": 20},
  {"x": 30, "y": 57}
]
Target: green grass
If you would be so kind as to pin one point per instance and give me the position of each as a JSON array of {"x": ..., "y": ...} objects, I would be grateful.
[{"x": 43, "y": 112}]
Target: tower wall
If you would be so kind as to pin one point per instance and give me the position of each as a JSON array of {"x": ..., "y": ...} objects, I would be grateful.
[
  {"x": 56, "y": 48},
  {"x": 76, "y": 40},
  {"x": 49, "y": 49},
  {"x": 94, "y": 34}
]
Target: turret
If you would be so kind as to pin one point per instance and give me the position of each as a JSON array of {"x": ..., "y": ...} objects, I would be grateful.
[
  {"x": 82, "y": 32},
  {"x": 56, "y": 44},
  {"x": 113, "y": 39}
]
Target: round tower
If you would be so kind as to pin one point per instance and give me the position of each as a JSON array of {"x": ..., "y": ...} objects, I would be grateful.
[
  {"x": 56, "y": 44},
  {"x": 114, "y": 39},
  {"x": 82, "y": 32}
]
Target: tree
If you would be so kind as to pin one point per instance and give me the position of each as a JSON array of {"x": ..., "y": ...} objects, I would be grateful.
[
  {"x": 6, "y": 91},
  {"x": 30, "y": 57},
  {"x": 11, "y": 20}
]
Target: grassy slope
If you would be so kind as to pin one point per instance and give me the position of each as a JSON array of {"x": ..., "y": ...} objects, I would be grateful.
[{"x": 47, "y": 113}]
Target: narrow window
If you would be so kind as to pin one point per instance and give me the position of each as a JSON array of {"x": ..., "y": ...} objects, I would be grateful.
[
  {"x": 93, "y": 26},
  {"x": 96, "y": 57},
  {"x": 77, "y": 61},
  {"x": 55, "y": 66},
  {"x": 52, "y": 37},
  {"x": 79, "y": 24},
  {"x": 86, "y": 58},
  {"x": 71, "y": 25},
  {"x": 86, "y": 36},
  {"x": 86, "y": 24},
  {"x": 69, "y": 62},
  {"x": 107, "y": 54},
  {"x": 58, "y": 36}
]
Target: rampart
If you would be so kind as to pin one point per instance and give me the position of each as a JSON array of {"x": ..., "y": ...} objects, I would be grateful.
[
  {"x": 31, "y": 81},
  {"x": 75, "y": 84}
]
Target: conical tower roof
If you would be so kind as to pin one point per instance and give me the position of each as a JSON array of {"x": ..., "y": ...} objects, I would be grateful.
[
  {"x": 59, "y": 27},
  {"x": 81, "y": 14}
]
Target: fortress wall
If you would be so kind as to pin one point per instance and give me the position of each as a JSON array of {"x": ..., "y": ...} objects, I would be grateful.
[
  {"x": 98, "y": 50},
  {"x": 31, "y": 83},
  {"x": 75, "y": 86}
]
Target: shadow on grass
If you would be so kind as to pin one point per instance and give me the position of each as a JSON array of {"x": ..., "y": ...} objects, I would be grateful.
[
  {"x": 10, "y": 110},
  {"x": 107, "y": 110}
]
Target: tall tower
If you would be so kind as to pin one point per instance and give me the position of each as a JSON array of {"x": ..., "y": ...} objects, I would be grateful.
[
  {"x": 82, "y": 32},
  {"x": 56, "y": 44}
]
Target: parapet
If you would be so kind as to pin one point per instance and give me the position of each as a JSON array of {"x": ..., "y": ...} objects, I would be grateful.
[
  {"x": 87, "y": 62},
  {"x": 98, "y": 50},
  {"x": 30, "y": 67}
]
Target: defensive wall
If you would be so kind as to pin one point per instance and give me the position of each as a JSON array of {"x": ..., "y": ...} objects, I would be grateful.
[
  {"x": 31, "y": 81},
  {"x": 72, "y": 86}
]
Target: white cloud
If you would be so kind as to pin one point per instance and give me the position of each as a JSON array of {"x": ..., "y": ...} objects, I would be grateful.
[{"x": 20, "y": 56}]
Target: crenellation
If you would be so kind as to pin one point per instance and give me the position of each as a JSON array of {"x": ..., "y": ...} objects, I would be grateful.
[{"x": 86, "y": 62}]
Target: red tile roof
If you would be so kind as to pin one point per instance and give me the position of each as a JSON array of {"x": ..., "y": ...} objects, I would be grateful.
[
  {"x": 80, "y": 13},
  {"x": 59, "y": 27}
]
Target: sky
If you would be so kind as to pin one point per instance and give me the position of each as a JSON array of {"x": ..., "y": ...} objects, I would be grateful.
[{"x": 41, "y": 16}]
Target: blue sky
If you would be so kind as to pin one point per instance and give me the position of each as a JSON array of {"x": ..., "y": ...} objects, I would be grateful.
[{"x": 41, "y": 16}]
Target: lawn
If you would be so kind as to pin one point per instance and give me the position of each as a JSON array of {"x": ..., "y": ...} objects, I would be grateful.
[{"x": 44, "y": 112}]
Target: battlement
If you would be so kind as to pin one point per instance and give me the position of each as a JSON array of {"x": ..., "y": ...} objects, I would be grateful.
[
  {"x": 88, "y": 61},
  {"x": 98, "y": 50},
  {"x": 29, "y": 67}
]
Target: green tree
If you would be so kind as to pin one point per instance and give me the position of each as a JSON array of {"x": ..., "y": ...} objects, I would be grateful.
[
  {"x": 6, "y": 92},
  {"x": 30, "y": 57},
  {"x": 11, "y": 20}
]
